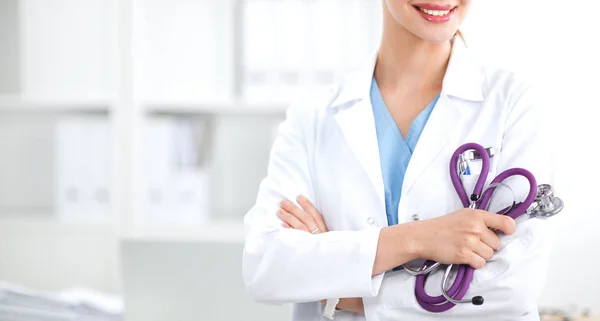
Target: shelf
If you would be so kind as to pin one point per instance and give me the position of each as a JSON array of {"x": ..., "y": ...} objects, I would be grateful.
[
  {"x": 16, "y": 104},
  {"x": 48, "y": 224},
  {"x": 228, "y": 232},
  {"x": 242, "y": 108}
]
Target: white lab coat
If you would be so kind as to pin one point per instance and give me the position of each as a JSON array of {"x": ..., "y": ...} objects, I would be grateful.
[{"x": 327, "y": 150}]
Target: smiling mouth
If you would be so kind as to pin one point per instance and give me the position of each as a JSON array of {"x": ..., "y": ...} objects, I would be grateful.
[{"x": 435, "y": 13}]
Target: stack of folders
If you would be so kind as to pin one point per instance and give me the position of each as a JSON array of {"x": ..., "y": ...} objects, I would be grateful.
[
  {"x": 176, "y": 179},
  {"x": 18, "y": 303}
]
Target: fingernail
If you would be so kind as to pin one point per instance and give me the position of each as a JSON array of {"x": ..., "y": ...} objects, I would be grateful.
[
  {"x": 285, "y": 203},
  {"x": 279, "y": 212}
]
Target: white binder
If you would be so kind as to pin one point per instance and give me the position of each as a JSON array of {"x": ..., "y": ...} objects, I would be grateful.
[
  {"x": 157, "y": 154},
  {"x": 96, "y": 197},
  {"x": 82, "y": 191},
  {"x": 70, "y": 182},
  {"x": 190, "y": 177},
  {"x": 326, "y": 33},
  {"x": 292, "y": 48},
  {"x": 259, "y": 47},
  {"x": 176, "y": 184}
]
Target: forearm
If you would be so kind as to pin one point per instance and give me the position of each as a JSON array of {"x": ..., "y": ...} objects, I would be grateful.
[
  {"x": 354, "y": 305},
  {"x": 351, "y": 263},
  {"x": 389, "y": 255},
  {"x": 397, "y": 245},
  {"x": 277, "y": 265}
]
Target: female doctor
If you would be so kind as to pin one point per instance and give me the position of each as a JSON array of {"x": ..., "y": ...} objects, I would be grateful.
[{"x": 358, "y": 182}]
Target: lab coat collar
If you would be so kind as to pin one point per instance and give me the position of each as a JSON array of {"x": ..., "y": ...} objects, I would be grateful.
[{"x": 463, "y": 78}]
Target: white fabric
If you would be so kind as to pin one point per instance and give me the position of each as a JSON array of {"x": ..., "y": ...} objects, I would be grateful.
[{"x": 327, "y": 151}]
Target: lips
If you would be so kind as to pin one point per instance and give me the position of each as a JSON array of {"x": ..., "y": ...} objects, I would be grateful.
[
  {"x": 435, "y": 12},
  {"x": 432, "y": 6}
]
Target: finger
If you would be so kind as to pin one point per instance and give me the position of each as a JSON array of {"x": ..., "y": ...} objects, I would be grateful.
[
  {"x": 491, "y": 239},
  {"x": 321, "y": 223},
  {"x": 291, "y": 220},
  {"x": 483, "y": 250},
  {"x": 300, "y": 214},
  {"x": 310, "y": 208},
  {"x": 476, "y": 261},
  {"x": 499, "y": 222},
  {"x": 286, "y": 225}
]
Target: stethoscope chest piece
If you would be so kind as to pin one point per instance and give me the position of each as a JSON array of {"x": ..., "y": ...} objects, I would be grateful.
[{"x": 546, "y": 204}]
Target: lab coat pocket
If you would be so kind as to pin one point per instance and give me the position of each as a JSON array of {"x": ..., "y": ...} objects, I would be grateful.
[
  {"x": 492, "y": 269},
  {"x": 397, "y": 290},
  {"x": 469, "y": 181},
  {"x": 473, "y": 173},
  {"x": 511, "y": 249}
]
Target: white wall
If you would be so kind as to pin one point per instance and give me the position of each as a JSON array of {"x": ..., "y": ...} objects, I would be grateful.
[{"x": 557, "y": 48}]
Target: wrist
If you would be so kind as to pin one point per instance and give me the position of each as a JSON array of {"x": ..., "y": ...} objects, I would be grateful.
[
  {"x": 354, "y": 305},
  {"x": 409, "y": 235},
  {"x": 397, "y": 245}
]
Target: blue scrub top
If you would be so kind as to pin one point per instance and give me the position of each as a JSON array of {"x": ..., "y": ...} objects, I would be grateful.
[{"x": 395, "y": 151}]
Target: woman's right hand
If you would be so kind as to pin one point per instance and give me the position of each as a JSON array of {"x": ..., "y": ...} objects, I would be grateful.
[{"x": 463, "y": 237}]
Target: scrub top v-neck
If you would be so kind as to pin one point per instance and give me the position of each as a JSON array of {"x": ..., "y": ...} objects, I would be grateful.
[{"x": 395, "y": 151}]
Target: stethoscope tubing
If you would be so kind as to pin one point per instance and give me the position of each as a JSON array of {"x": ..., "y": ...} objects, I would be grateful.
[{"x": 479, "y": 199}]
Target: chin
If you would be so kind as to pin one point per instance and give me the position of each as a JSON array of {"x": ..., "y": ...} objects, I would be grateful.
[{"x": 436, "y": 37}]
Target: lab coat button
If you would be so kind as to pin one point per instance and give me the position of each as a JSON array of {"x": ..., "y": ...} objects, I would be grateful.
[
  {"x": 371, "y": 221},
  {"x": 415, "y": 217}
]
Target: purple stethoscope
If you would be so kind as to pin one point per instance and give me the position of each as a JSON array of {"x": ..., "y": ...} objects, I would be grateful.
[{"x": 539, "y": 203}]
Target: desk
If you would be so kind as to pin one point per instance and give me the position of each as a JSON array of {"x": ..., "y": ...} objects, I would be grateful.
[{"x": 558, "y": 316}]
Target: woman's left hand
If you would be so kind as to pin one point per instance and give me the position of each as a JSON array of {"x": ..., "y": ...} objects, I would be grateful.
[
  {"x": 310, "y": 220},
  {"x": 305, "y": 218}
]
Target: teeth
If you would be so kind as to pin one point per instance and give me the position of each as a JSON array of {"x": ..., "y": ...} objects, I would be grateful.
[{"x": 435, "y": 12}]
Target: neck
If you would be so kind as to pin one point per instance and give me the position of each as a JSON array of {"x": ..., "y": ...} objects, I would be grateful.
[{"x": 407, "y": 61}]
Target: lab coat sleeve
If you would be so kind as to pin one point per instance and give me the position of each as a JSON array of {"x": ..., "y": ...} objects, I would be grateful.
[
  {"x": 286, "y": 265},
  {"x": 519, "y": 268}
]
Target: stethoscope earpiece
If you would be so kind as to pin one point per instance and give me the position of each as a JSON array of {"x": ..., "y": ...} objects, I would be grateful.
[{"x": 478, "y": 300}]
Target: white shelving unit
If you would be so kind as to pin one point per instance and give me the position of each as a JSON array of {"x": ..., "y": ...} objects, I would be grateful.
[
  {"x": 120, "y": 79},
  {"x": 224, "y": 231},
  {"x": 59, "y": 61},
  {"x": 146, "y": 73},
  {"x": 233, "y": 66},
  {"x": 217, "y": 108},
  {"x": 17, "y": 104}
]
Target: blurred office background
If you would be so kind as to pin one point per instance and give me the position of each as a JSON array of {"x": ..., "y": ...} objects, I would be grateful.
[{"x": 134, "y": 134}]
